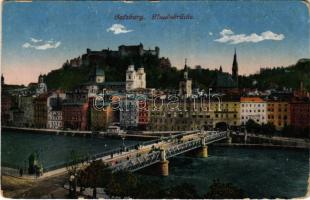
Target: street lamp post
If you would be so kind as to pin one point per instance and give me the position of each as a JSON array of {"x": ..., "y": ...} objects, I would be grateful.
[{"x": 123, "y": 138}]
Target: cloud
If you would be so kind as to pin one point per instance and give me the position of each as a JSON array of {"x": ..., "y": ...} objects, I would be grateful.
[
  {"x": 126, "y": 1},
  {"x": 26, "y": 45},
  {"x": 228, "y": 36},
  {"x": 118, "y": 29},
  {"x": 41, "y": 45},
  {"x": 210, "y": 33},
  {"x": 35, "y": 40}
]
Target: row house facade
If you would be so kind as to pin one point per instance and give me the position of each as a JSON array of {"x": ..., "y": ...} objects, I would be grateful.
[
  {"x": 300, "y": 112},
  {"x": 227, "y": 111},
  {"x": 75, "y": 110},
  {"x": 193, "y": 114},
  {"x": 129, "y": 114},
  {"x": 278, "y": 113},
  {"x": 54, "y": 110},
  {"x": 26, "y": 104},
  {"x": 40, "y": 110},
  {"x": 75, "y": 115},
  {"x": 143, "y": 115},
  {"x": 6, "y": 103},
  {"x": 134, "y": 112},
  {"x": 101, "y": 115},
  {"x": 17, "y": 117},
  {"x": 254, "y": 108}
]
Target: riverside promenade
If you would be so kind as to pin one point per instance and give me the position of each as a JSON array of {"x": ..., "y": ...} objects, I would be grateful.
[
  {"x": 98, "y": 134},
  {"x": 255, "y": 140}
]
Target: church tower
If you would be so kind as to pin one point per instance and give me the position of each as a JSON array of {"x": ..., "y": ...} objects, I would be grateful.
[
  {"x": 99, "y": 75},
  {"x": 185, "y": 86},
  {"x": 235, "y": 68},
  {"x": 41, "y": 87},
  {"x": 2, "y": 80}
]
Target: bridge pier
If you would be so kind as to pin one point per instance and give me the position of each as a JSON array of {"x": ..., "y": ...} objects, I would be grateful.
[
  {"x": 163, "y": 164},
  {"x": 164, "y": 168},
  {"x": 229, "y": 140},
  {"x": 245, "y": 136},
  {"x": 203, "y": 151}
]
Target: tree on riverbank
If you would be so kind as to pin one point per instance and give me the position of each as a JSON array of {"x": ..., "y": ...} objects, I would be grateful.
[
  {"x": 270, "y": 130},
  {"x": 95, "y": 175},
  {"x": 124, "y": 184},
  {"x": 252, "y": 126}
]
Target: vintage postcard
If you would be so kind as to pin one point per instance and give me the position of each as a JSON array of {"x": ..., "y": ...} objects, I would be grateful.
[{"x": 155, "y": 99}]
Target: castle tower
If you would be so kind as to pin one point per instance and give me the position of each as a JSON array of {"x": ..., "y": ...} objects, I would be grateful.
[
  {"x": 235, "y": 68},
  {"x": 185, "y": 85}
]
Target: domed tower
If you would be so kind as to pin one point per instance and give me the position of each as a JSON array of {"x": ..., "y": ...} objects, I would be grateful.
[
  {"x": 41, "y": 79},
  {"x": 141, "y": 78},
  {"x": 130, "y": 77},
  {"x": 99, "y": 75},
  {"x": 235, "y": 68}
]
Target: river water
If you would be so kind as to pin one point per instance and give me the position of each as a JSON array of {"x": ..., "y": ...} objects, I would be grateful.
[
  {"x": 269, "y": 173},
  {"x": 53, "y": 149},
  {"x": 259, "y": 172}
]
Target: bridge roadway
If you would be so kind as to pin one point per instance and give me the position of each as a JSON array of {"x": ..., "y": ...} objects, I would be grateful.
[{"x": 160, "y": 152}]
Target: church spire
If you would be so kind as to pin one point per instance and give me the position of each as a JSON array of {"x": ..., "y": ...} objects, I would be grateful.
[
  {"x": 235, "y": 68},
  {"x": 185, "y": 70}
]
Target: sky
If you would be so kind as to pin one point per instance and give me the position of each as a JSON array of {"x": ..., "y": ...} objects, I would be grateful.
[{"x": 38, "y": 37}]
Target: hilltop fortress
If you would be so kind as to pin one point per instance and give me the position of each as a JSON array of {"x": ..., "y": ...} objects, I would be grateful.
[{"x": 92, "y": 57}]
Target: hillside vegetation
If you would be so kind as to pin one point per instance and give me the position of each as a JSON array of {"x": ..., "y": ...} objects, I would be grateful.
[{"x": 164, "y": 77}]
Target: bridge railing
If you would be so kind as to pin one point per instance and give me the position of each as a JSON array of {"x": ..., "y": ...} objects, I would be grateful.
[
  {"x": 183, "y": 147},
  {"x": 215, "y": 135},
  {"x": 210, "y": 136}
]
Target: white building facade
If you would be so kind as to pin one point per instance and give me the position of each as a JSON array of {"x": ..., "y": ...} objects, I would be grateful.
[
  {"x": 54, "y": 119},
  {"x": 254, "y": 108},
  {"x": 135, "y": 79}
]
